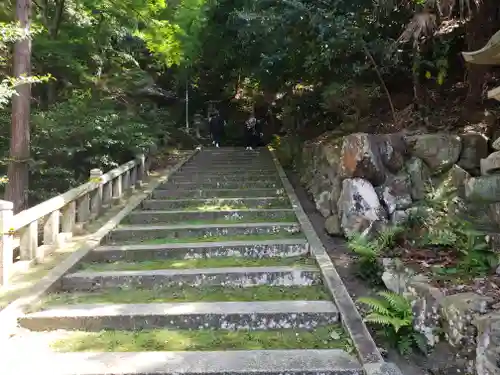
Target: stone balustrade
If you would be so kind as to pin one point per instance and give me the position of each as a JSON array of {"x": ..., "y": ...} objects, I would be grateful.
[{"x": 62, "y": 216}]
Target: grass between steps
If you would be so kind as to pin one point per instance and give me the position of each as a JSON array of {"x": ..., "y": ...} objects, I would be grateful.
[
  {"x": 252, "y": 237},
  {"x": 190, "y": 294},
  {"x": 218, "y": 262},
  {"x": 327, "y": 337}
]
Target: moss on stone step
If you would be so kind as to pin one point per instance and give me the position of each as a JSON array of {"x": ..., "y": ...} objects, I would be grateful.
[
  {"x": 328, "y": 337},
  {"x": 197, "y": 263},
  {"x": 190, "y": 294}
]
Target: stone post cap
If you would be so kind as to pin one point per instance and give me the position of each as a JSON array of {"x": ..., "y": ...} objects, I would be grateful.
[{"x": 95, "y": 172}]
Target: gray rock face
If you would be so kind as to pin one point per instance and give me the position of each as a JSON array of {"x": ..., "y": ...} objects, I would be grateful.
[
  {"x": 419, "y": 177},
  {"x": 438, "y": 151},
  {"x": 453, "y": 180},
  {"x": 359, "y": 208},
  {"x": 474, "y": 148},
  {"x": 484, "y": 188},
  {"x": 458, "y": 311},
  {"x": 361, "y": 158},
  {"x": 488, "y": 344},
  {"x": 496, "y": 144},
  {"x": 395, "y": 194},
  {"x": 491, "y": 164}
]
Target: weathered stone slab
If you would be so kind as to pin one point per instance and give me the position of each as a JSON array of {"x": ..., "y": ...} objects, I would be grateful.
[
  {"x": 216, "y": 193},
  {"x": 221, "y": 184},
  {"x": 231, "y": 276},
  {"x": 491, "y": 164},
  {"x": 214, "y": 203},
  {"x": 241, "y": 362},
  {"x": 199, "y": 250},
  {"x": 229, "y": 216},
  {"x": 139, "y": 233},
  {"x": 188, "y": 315}
]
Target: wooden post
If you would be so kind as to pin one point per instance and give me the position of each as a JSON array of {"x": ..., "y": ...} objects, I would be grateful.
[
  {"x": 141, "y": 169},
  {"x": 96, "y": 195},
  {"x": 29, "y": 241},
  {"x": 6, "y": 241}
]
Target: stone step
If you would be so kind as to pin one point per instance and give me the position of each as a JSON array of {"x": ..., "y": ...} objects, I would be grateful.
[
  {"x": 240, "y": 362},
  {"x": 187, "y": 315},
  {"x": 226, "y": 216},
  {"x": 221, "y": 185},
  {"x": 225, "y": 170},
  {"x": 216, "y": 193},
  {"x": 226, "y": 178},
  {"x": 216, "y": 203},
  {"x": 223, "y": 174},
  {"x": 247, "y": 249},
  {"x": 231, "y": 276},
  {"x": 153, "y": 232}
]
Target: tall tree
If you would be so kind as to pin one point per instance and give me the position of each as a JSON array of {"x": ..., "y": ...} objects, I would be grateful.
[{"x": 18, "y": 171}]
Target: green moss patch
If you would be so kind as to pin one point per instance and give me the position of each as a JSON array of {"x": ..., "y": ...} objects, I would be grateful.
[
  {"x": 328, "y": 337},
  {"x": 158, "y": 264},
  {"x": 190, "y": 294}
]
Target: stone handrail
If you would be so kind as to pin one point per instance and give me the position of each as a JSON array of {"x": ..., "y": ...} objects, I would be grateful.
[{"x": 63, "y": 215}]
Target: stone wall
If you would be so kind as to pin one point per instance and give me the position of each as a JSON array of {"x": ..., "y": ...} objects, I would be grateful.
[{"x": 362, "y": 182}]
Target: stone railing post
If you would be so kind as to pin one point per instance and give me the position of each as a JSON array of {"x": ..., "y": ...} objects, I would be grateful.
[
  {"x": 96, "y": 195},
  {"x": 141, "y": 169},
  {"x": 6, "y": 241}
]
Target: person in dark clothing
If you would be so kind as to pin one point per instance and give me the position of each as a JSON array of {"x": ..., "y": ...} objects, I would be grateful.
[
  {"x": 216, "y": 125},
  {"x": 253, "y": 133}
]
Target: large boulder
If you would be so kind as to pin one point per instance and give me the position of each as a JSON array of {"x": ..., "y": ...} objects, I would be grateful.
[
  {"x": 474, "y": 148},
  {"x": 438, "y": 151},
  {"x": 359, "y": 209},
  {"x": 488, "y": 344},
  {"x": 395, "y": 193},
  {"x": 361, "y": 158}
]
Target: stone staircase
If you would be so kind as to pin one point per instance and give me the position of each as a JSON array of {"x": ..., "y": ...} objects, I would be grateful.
[{"x": 210, "y": 275}]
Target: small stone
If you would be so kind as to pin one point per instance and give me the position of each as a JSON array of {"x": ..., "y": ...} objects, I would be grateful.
[
  {"x": 332, "y": 225},
  {"x": 335, "y": 335},
  {"x": 474, "y": 148},
  {"x": 419, "y": 176}
]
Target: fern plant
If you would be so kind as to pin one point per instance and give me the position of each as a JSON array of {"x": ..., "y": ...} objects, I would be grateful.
[
  {"x": 370, "y": 250},
  {"x": 393, "y": 313}
]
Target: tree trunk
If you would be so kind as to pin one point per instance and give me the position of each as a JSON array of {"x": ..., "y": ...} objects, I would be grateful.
[{"x": 18, "y": 171}]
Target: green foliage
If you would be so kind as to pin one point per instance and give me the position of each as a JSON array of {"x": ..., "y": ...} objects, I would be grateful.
[
  {"x": 438, "y": 225},
  {"x": 394, "y": 314},
  {"x": 371, "y": 250}
]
